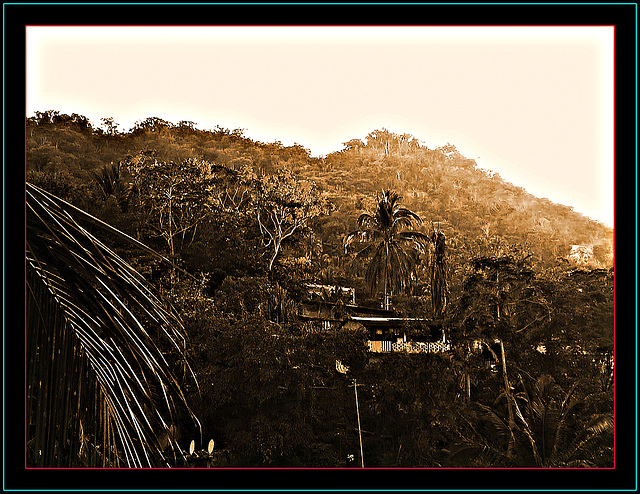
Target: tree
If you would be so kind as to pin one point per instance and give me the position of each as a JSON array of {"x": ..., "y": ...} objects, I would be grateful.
[
  {"x": 553, "y": 428},
  {"x": 100, "y": 389},
  {"x": 172, "y": 198},
  {"x": 572, "y": 326},
  {"x": 438, "y": 274},
  {"x": 493, "y": 294},
  {"x": 382, "y": 139},
  {"x": 547, "y": 418},
  {"x": 285, "y": 205},
  {"x": 270, "y": 393},
  {"x": 110, "y": 125},
  {"x": 150, "y": 124},
  {"x": 353, "y": 144},
  {"x": 486, "y": 316},
  {"x": 393, "y": 250},
  {"x": 110, "y": 182}
]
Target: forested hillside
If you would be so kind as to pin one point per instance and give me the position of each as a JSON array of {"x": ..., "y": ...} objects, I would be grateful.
[
  {"x": 246, "y": 224},
  {"x": 440, "y": 185}
]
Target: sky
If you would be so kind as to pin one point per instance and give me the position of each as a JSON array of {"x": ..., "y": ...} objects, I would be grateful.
[{"x": 534, "y": 104}]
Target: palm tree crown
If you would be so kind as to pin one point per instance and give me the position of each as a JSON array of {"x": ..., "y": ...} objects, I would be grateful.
[{"x": 390, "y": 244}]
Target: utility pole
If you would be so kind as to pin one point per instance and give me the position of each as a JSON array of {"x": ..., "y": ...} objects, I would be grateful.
[
  {"x": 343, "y": 370},
  {"x": 355, "y": 389}
]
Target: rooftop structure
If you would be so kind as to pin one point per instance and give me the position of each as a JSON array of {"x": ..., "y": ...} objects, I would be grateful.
[{"x": 388, "y": 332}]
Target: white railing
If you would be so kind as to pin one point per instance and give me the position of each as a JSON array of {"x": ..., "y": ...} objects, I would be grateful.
[{"x": 409, "y": 346}]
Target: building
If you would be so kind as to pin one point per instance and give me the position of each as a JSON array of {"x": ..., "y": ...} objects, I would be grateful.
[
  {"x": 388, "y": 332},
  {"x": 581, "y": 254}
]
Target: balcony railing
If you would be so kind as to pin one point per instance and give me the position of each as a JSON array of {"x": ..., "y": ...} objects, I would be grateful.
[{"x": 408, "y": 346}]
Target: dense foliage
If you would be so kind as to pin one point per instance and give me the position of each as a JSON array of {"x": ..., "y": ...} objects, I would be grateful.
[{"x": 530, "y": 323}]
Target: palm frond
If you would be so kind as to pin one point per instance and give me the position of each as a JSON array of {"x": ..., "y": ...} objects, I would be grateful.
[
  {"x": 414, "y": 240},
  {"x": 499, "y": 424},
  {"x": 599, "y": 428},
  {"x": 478, "y": 450},
  {"x": 365, "y": 221},
  {"x": 404, "y": 218},
  {"x": 96, "y": 375}
]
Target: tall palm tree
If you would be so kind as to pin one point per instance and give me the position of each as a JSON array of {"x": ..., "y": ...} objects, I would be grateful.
[
  {"x": 438, "y": 274},
  {"x": 390, "y": 243},
  {"x": 100, "y": 389}
]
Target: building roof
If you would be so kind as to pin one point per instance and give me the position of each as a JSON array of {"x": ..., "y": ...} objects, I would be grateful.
[{"x": 393, "y": 321}]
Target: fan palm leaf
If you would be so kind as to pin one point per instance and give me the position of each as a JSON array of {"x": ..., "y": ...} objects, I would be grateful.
[
  {"x": 100, "y": 389},
  {"x": 601, "y": 426},
  {"x": 544, "y": 435}
]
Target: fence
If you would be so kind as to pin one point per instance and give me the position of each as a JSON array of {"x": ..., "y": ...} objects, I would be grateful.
[{"x": 409, "y": 346}]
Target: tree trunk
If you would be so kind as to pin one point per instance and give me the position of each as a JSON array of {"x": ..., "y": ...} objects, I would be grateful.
[
  {"x": 170, "y": 241},
  {"x": 507, "y": 390},
  {"x": 385, "y": 302},
  {"x": 468, "y": 379},
  {"x": 276, "y": 248}
]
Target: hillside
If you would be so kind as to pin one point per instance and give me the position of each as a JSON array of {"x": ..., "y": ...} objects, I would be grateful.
[
  {"x": 474, "y": 207},
  {"x": 465, "y": 201}
]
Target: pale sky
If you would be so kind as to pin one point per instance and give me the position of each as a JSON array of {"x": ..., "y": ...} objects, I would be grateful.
[{"x": 534, "y": 104}]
